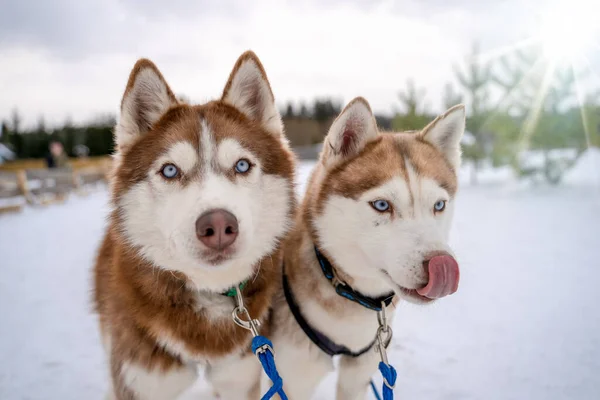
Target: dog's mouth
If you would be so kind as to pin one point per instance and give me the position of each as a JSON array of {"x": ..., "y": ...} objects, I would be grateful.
[
  {"x": 443, "y": 277},
  {"x": 412, "y": 295},
  {"x": 408, "y": 294},
  {"x": 215, "y": 258}
]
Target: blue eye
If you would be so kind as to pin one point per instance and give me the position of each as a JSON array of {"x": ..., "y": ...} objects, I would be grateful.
[
  {"x": 439, "y": 206},
  {"x": 169, "y": 171},
  {"x": 242, "y": 166},
  {"x": 381, "y": 205}
]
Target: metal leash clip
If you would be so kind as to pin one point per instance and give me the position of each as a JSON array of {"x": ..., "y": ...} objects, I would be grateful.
[
  {"x": 247, "y": 322},
  {"x": 384, "y": 337},
  {"x": 241, "y": 310}
]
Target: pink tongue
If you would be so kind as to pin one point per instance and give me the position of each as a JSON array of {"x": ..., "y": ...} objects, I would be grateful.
[{"x": 443, "y": 277}]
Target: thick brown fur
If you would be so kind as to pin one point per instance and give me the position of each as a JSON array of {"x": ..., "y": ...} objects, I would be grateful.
[
  {"x": 381, "y": 159},
  {"x": 138, "y": 303},
  {"x": 356, "y": 159}
]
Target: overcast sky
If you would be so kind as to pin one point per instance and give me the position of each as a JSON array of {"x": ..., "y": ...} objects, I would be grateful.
[{"x": 65, "y": 58}]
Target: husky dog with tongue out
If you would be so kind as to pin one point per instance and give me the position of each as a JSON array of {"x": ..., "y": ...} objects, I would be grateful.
[{"x": 373, "y": 228}]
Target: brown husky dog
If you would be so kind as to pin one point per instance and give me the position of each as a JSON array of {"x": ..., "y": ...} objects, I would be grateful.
[
  {"x": 373, "y": 228},
  {"x": 201, "y": 197}
]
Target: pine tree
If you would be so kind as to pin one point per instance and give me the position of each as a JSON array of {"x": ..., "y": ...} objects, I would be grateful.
[
  {"x": 16, "y": 121},
  {"x": 412, "y": 99},
  {"x": 450, "y": 96},
  {"x": 475, "y": 79},
  {"x": 413, "y": 102},
  {"x": 4, "y": 132},
  {"x": 304, "y": 113},
  {"x": 324, "y": 109},
  {"x": 538, "y": 94},
  {"x": 289, "y": 111},
  {"x": 41, "y": 125}
]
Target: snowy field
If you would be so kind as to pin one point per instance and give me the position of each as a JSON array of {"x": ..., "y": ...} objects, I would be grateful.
[{"x": 524, "y": 324}]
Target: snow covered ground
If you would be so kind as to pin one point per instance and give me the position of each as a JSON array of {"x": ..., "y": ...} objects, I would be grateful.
[
  {"x": 586, "y": 171},
  {"x": 523, "y": 325}
]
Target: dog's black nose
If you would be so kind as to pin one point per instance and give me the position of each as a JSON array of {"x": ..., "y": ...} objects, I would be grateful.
[{"x": 217, "y": 229}]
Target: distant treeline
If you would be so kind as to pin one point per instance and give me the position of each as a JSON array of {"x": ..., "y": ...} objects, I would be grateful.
[
  {"x": 307, "y": 125},
  {"x": 93, "y": 139},
  {"x": 535, "y": 105}
]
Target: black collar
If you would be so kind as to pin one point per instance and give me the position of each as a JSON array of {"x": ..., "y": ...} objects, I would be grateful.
[
  {"x": 344, "y": 290},
  {"x": 323, "y": 342}
]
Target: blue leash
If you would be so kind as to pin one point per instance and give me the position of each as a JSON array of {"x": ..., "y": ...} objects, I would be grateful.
[
  {"x": 384, "y": 336},
  {"x": 263, "y": 348},
  {"x": 389, "y": 381},
  {"x": 375, "y": 392}
]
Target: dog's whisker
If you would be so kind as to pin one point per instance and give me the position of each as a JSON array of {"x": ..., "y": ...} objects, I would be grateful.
[{"x": 257, "y": 271}]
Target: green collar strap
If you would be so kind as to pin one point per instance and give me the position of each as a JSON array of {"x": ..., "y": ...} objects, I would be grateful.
[{"x": 233, "y": 290}]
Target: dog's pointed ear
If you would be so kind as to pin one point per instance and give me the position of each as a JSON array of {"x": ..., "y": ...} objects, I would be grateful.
[
  {"x": 147, "y": 97},
  {"x": 350, "y": 132},
  {"x": 445, "y": 133},
  {"x": 249, "y": 91}
]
